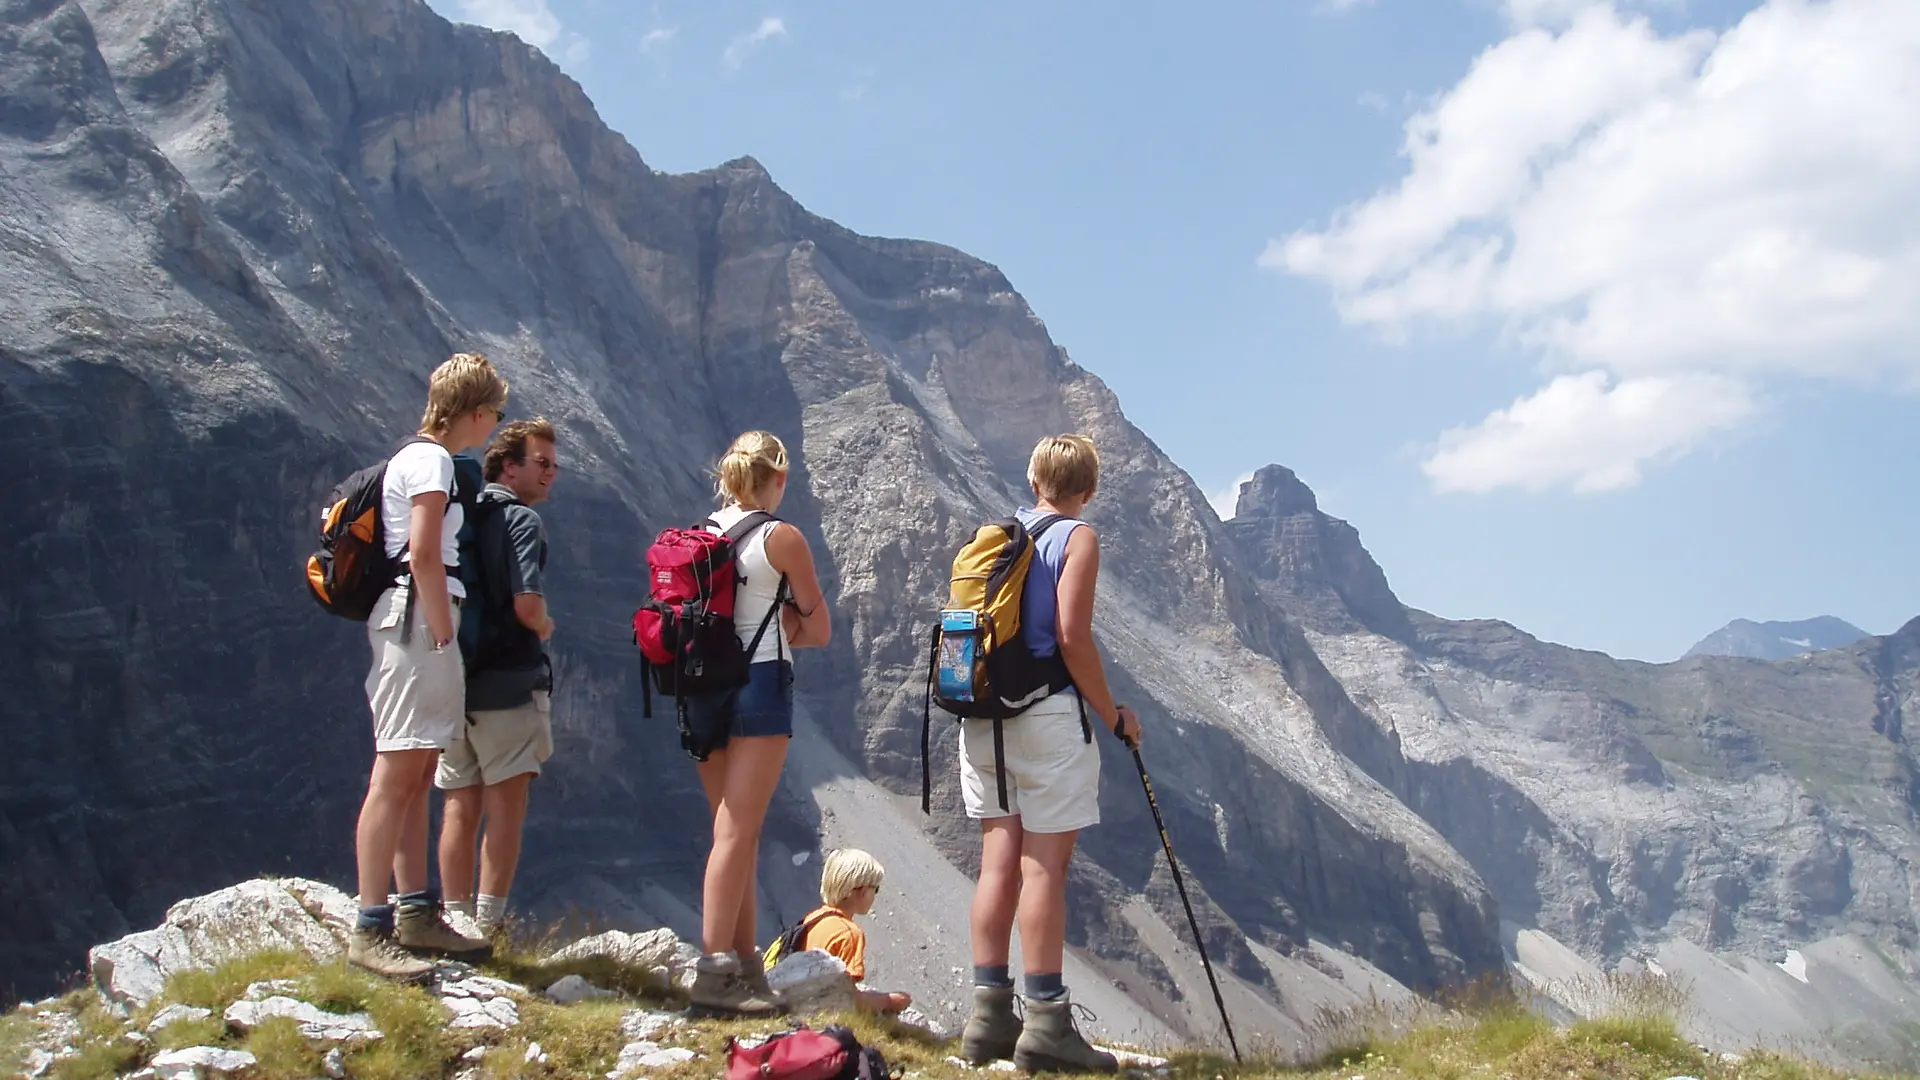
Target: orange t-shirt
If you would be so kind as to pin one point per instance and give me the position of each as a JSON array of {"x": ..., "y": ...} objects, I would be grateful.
[{"x": 837, "y": 933}]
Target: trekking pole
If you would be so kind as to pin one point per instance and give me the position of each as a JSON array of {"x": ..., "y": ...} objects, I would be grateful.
[{"x": 1179, "y": 883}]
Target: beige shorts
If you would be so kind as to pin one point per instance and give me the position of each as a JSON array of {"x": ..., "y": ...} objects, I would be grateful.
[
  {"x": 499, "y": 744},
  {"x": 418, "y": 696},
  {"x": 1053, "y": 772}
]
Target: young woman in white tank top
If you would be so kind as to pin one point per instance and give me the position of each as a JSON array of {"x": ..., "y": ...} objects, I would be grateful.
[{"x": 744, "y": 732}]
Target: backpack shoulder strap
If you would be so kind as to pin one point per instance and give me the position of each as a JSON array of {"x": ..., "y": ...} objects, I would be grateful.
[
  {"x": 745, "y": 526},
  {"x": 1045, "y": 523},
  {"x": 807, "y": 924},
  {"x": 490, "y": 535}
]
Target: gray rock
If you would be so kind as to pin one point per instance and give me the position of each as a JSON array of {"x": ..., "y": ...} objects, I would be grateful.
[
  {"x": 655, "y": 948},
  {"x": 638, "y": 1056},
  {"x": 572, "y": 989},
  {"x": 201, "y": 932},
  {"x": 201, "y": 1063},
  {"x": 175, "y": 1013},
  {"x": 39, "y": 1062},
  {"x": 315, "y": 1023},
  {"x": 643, "y": 1024},
  {"x": 459, "y": 980},
  {"x": 812, "y": 982},
  {"x": 261, "y": 991},
  {"x": 483, "y": 1014},
  {"x": 335, "y": 1063},
  {"x": 912, "y": 1016}
]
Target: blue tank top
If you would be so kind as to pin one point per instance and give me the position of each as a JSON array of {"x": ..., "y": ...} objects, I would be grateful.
[{"x": 1040, "y": 606}]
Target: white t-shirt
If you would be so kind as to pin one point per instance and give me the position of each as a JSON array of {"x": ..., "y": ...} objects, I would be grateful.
[{"x": 417, "y": 469}]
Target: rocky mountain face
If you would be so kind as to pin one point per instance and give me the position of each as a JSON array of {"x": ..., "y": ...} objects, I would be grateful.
[
  {"x": 1777, "y": 640},
  {"x": 238, "y": 234},
  {"x": 235, "y": 236},
  {"x": 1638, "y": 813}
]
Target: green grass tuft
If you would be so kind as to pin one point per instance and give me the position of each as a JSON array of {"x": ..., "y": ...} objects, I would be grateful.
[
  {"x": 105, "y": 1051},
  {"x": 417, "y": 1041},
  {"x": 222, "y": 986},
  {"x": 16, "y": 1038},
  {"x": 284, "y": 1053},
  {"x": 579, "y": 1040},
  {"x": 184, "y": 1033},
  {"x": 1655, "y": 1037}
]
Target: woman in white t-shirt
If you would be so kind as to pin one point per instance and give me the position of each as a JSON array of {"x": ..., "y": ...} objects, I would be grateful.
[
  {"x": 742, "y": 734},
  {"x": 416, "y": 686}
]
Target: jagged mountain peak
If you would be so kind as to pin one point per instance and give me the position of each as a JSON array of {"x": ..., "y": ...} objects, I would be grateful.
[
  {"x": 1274, "y": 492},
  {"x": 1311, "y": 563}
]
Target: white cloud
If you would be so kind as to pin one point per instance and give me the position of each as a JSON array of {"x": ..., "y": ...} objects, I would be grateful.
[
  {"x": 1742, "y": 206},
  {"x": 744, "y": 46},
  {"x": 1581, "y": 432},
  {"x": 532, "y": 22},
  {"x": 656, "y": 37},
  {"x": 1226, "y": 500}
]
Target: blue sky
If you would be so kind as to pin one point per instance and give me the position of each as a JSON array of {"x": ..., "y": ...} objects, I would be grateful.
[{"x": 1599, "y": 318}]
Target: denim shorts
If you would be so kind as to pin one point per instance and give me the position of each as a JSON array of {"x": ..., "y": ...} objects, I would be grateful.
[{"x": 762, "y": 707}]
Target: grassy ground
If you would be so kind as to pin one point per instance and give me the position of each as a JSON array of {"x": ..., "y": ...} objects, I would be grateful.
[{"x": 1488, "y": 1038}]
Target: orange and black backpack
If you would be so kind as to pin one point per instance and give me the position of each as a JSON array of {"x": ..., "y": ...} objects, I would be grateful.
[{"x": 351, "y": 569}]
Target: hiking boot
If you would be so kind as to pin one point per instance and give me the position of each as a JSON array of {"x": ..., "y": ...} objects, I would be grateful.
[
  {"x": 374, "y": 949},
  {"x": 753, "y": 970},
  {"x": 1049, "y": 1042},
  {"x": 423, "y": 929},
  {"x": 993, "y": 1028},
  {"x": 720, "y": 989}
]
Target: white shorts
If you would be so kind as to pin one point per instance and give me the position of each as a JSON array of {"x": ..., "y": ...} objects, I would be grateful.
[
  {"x": 499, "y": 744},
  {"x": 1053, "y": 771},
  {"x": 418, "y": 696}
]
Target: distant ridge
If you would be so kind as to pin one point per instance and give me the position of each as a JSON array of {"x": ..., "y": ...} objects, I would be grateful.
[{"x": 1777, "y": 640}]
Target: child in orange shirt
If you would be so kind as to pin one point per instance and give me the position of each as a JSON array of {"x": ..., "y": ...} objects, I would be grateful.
[{"x": 848, "y": 885}]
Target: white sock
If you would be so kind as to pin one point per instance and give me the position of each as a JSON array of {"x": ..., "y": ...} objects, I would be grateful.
[
  {"x": 490, "y": 911},
  {"x": 463, "y": 907}
]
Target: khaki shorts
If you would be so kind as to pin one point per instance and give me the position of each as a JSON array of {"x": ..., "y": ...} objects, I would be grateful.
[
  {"x": 1053, "y": 772},
  {"x": 418, "y": 696},
  {"x": 499, "y": 744}
]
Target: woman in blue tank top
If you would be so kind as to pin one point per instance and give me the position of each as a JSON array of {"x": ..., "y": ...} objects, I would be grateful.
[{"x": 1052, "y": 775}]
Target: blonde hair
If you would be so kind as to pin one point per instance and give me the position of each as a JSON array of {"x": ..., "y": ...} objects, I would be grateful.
[
  {"x": 750, "y": 464},
  {"x": 467, "y": 381},
  {"x": 1063, "y": 466},
  {"x": 846, "y": 870}
]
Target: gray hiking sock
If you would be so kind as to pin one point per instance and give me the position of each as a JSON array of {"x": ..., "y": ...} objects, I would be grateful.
[
  {"x": 1048, "y": 987},
  {"x": 377, "y": 917},
  {"x": 994, "y": 975}
]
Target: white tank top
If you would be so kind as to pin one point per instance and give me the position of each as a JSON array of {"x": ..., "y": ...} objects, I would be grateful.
[{"x": 754, "y": 589}]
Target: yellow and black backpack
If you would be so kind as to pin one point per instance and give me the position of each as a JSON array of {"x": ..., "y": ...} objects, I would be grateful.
[
  {"x": 793, "y": 939},
  {"x": 981, "y": 666}
]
